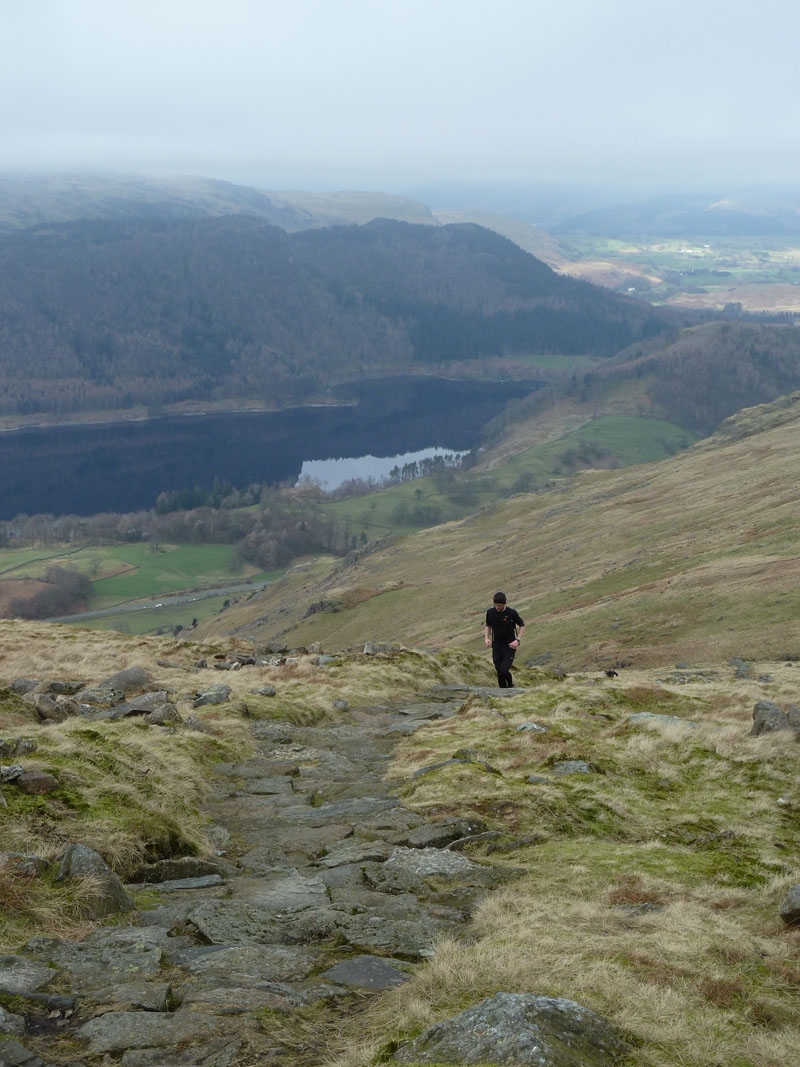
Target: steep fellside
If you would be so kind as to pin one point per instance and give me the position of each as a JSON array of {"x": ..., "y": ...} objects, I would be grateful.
[
  {"x": 106, "y": 314},
  {"x": 694, "y": 377},
  {"x": 695, "y": 556}
]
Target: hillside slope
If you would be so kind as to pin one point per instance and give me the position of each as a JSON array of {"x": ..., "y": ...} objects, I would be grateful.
[
  {"x": 32, "y": 199},
  {"x": 107, "y": 314},
  {"x": 695, "y": 556},
  {"x": 694, "y": 377}
]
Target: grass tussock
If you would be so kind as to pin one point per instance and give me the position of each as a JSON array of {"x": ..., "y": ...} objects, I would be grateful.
[
  {"x": 42, "y": 905},
  {"x": 130, "y": 792}
]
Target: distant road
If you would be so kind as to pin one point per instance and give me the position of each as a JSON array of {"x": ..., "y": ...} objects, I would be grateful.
[{"x": 168, "y": 601}]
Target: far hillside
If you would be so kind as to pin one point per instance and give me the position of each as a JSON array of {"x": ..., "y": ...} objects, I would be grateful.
[
  {"x": 695, "y": 377},
  {"x": 107, "y": 315},
  {"x": 692, "y": 557}
]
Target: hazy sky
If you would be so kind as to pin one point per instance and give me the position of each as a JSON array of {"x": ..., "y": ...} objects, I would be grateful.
[{"x": 392, "y": 93}]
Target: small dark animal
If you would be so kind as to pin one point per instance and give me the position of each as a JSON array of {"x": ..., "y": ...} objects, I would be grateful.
[{"x": 612, "y": 674}]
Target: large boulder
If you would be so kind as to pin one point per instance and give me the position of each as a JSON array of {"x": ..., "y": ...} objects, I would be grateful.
[
  {"x": 519, "y": 1029},
  {"x": 117, "y": 1031},
  {"x": 143, "y": 704},
  {"x": 768, "y": 717},
  {"x": 80, "y": 861},
  {"x": 215, "y": 694},
  {"x": 21, "y": 975},
  {"x": 790, "y": 908},
  {"x": 13, "y": 1054},
  {"x": 36, "y": 783},
  {"x": 114, "y": 689}
]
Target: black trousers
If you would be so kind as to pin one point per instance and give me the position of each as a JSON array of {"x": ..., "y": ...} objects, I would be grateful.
[{"x": 503, "y": 656}]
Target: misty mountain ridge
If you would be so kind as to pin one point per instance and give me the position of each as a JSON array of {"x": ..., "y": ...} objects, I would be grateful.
[
  {"x": 744, "y": 214},
  {"x": 33, "y": 199}
]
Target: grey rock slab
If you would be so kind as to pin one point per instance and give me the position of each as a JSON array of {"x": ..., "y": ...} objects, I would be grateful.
[
  {"x": 18, "y": 974},
  {"x": 790, "y": 908},
  {"x": 130, "y": 679},
  {"x": 445, "y": 831},
  {"x": 408, "y": 870},
  {"x": 479, "y": 690},
  {"x": 269, "y": 786},
  {"x": 180, "y": 867},
  {"x": 224, "y": 922},
  {"x": 217, "y": 1052},
  {"x": 144, "y": 996},
  {"x": 431, "y": 710},
  {"x": 392, "y": 905},
  {"x": 249, "y": 965},
  {"x": 345, "y": 876},
  {"x": 366, "y": 972},
  {"x": 14, "y": 1054},
  {"x": 393, "y": 937},
  {"x": 395, "y": 821},
  {"x": 175, "y": 885},
  {"x": 168, "y": 916},
  {"x": 531, "y": 727},
  {"x": 358, "y": 810},
  {"x": 117, "y": 1031},
  {"x": 10, "y": 1024},
  {"x": 95, "y": 966},
  {"x": 279, "y": 733},
  {"x": 255, "y": 768},
  {"x": 309, "y": 927},
  {"x": 356, "y": 852},
  {"x": 234, "y": 1000},
  {"x": 519, "y": 1029},
  {"x": 288, "y": 894}
]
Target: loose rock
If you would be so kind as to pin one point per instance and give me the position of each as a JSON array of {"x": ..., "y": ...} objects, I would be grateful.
[
  {"x": 790, "y": 908},
  {"x": 79, "y": 861},
  {"x": 519, "y": 1029}
]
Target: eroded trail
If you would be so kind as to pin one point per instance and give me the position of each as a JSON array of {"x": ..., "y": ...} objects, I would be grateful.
[{"x": 325, "y": 889}]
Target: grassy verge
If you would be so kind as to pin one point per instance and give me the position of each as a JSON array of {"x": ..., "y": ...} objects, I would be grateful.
[{"x": 650, "y": 888}]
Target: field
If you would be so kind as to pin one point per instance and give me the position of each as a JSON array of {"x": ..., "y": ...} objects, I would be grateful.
[
  {"x": 762, "y": 274},
  {"x": 129, "y": 575}
]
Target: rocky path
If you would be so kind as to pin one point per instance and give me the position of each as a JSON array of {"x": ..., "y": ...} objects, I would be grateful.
[{"x": 324, "y": 889}]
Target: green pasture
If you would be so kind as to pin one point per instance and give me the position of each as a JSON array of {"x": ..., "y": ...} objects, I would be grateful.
[
  {"x": 33, "y": 562},
  {"x": 169, "y": 568},
  {"x": 755, "y": 260}
]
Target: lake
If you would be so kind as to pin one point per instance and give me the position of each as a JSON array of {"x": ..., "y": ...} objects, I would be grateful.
[{"x": 120, "y": 467}]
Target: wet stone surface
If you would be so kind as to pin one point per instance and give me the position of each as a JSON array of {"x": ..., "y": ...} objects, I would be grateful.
[{"x": 329, "y": 890}]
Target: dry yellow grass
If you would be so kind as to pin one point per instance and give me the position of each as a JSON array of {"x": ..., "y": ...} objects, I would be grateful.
[
  {"x": 684, "y": 819},
  {"x": 693, "y": 557}
]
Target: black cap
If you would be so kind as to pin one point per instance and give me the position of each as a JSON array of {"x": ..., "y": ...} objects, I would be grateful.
[{"x": 499, "y": 598}]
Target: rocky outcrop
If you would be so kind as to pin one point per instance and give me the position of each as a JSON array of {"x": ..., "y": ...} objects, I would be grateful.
[
  {"x": 110, "y": 896},
  {"x": 790, "y": 908},
  {"x": 768, "y": 717},
  {"x": 519, "y": 1029}
]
